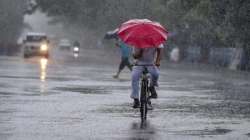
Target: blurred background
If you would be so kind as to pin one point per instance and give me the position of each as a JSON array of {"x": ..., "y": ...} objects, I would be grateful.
[
  {"x": 56, "y": 70},
  {"x": 200, "y": 31}
]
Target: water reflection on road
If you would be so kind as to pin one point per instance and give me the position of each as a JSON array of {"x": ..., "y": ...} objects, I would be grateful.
[
  {"x": 83, "y": 101},
  {"x": 142, "y": 131},
  {"x": 76, "y": 55},
  {"x": 43, "y": 68}
]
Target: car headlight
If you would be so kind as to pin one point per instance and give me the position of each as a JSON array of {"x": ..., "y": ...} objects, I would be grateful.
[
  {"x": 44, "y": 47},
  {"x": 76, "y": 49}
]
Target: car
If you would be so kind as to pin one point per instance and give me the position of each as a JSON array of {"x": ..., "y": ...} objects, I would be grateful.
[{"x": 36, "y": 44}]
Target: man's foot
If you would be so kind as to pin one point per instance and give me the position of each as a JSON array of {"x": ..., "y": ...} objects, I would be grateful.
[
  {"x": 153, "y": 92},
  {"x": 115, "y": 76},
  {"x": 136, "y": 103},
  {"x": 150, "y": 107}
]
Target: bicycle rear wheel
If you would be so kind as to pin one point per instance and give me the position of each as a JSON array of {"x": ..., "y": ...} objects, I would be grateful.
[{"x": 143, "y": 100}]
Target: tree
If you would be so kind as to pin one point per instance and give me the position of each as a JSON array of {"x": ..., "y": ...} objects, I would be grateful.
[
  {"x": 201, "y": 23},
  {"x": 11, "y": 22}
]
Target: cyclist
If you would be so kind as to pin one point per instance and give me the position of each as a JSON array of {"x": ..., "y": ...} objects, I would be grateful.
[
  {"x": 150, "y": 57},
  {"x": 76, "y": 43}
]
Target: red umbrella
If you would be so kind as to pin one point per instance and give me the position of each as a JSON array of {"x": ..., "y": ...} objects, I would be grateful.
[{"x": 142, "y": 33}]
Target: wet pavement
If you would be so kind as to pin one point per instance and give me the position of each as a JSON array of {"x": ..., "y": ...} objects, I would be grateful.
[{"x": 73, "y": 98}]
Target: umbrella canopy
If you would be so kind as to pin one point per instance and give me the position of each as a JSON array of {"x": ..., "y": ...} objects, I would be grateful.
[{"x": 142, "y": 33}]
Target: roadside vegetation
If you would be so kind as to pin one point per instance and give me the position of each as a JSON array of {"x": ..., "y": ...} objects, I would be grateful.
[{"x": 194, "y": 23}]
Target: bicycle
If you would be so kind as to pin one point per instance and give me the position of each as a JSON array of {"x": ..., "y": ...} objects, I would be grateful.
[{"x": 144, "y": 94}]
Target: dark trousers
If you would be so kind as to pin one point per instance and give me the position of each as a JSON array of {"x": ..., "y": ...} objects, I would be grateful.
[{"x": 125, "y": 62}]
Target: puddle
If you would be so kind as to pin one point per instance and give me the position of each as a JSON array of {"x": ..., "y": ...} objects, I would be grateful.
[
  {"x": 18, "y": 77},
  {"x": 205, "y": 132},
  {"x": 7, "y": 93},
  {"x": 5, "y": 136},
  {"x": 124, "y": 108},
  {"x": 205, "y": 106},
  {"x": 2, "y": 85},
  {"x": 8, "y": 111},
  {"x": 37, "y": 77},
  {"x": 140, "y": 131},
  {"x": 62, "y": 79},
  {"x": 34, "y": 93},
  {"x": 85, "y": 90}
]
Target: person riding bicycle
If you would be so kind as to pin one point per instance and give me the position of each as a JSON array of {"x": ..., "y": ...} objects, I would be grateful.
[
  {"x": 150, "y": 57},
  {"x": 76, "y": 43}
]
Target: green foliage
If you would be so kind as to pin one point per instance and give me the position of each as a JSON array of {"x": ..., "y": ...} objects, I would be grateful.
[
  {"x": 11, "y": 20},
  {"x": 194, "y": 22}
]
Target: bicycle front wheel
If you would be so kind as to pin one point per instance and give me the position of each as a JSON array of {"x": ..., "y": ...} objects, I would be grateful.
[{"x": 143, "y": 100}]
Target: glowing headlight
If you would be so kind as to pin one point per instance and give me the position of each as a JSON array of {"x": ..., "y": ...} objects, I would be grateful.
[
  {"x": 44, "y": 47},
  {"x": 76, "y": 49}
]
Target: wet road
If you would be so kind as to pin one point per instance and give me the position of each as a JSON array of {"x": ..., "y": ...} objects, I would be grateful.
[{"x": 72, "y": 99}]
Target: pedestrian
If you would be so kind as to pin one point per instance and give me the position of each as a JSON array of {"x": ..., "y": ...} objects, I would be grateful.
[
  {"x": 150, "y": 57},
  {"x": 125, "y": 54}
]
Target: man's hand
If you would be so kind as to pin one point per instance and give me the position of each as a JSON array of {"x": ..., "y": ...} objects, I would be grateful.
[
  {"x": 158, "y": 57},
  {"x": 157, "y": 63}
]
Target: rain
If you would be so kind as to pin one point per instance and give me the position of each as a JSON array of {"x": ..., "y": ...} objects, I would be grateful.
[{"x": 63, "y": 74}]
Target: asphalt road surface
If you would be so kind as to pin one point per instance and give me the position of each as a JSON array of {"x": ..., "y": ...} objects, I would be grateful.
[{"x": 75, "y": 98}]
